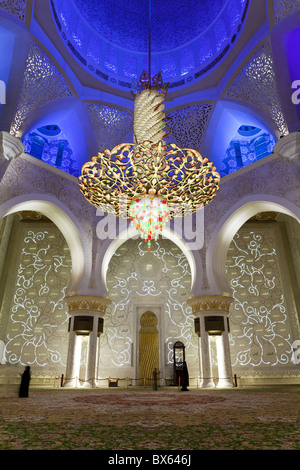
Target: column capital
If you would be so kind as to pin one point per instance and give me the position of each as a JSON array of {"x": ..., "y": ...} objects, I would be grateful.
[
  {"x": 210, "y": 304},
  {"x": 88, "y": 303},
  {"x": 289, "y": 147}
]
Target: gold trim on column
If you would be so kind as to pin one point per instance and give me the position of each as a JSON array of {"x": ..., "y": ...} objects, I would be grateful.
[
  {"x": 205, "y": 303},
  {"x": 87, "y": 302}
]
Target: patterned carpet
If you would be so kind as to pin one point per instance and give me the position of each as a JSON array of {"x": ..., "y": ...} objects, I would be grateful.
[{"x": 141, "y": 418}]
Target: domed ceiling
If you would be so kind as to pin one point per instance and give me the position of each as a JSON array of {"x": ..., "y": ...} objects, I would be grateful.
[
  {"x": 110, "y": 39},
  {"x": 125, "y": 23}
]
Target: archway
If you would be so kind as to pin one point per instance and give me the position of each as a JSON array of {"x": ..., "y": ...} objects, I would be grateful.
[
  {"x": 139, "y": 281},
  {"x": 248, "y": 259},
  {"x": 36, "y": 271},
  {"x": 63, "y": 219},
  {"x": 229, "y": 225},
  {"x": 114, "y": 239},
  {"x": 148, "y": 348}
]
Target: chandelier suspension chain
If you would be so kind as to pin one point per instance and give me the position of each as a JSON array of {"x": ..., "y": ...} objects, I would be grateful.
[{"x": 149, "y": 41}]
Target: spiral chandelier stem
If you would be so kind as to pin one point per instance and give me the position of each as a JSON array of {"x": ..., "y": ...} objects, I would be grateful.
[{"x": 149, "y": 41}]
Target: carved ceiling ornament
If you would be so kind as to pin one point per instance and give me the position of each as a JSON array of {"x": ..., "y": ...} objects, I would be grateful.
[
  {"x": 16, "y": 8},
  {"x": 10, "y": 148},
  {"x": 111, "y": 125},
  {"x": 188, "y": 125},
  {"x": 289, "y": 148},
  {"x": 284, "y": 8},
  {"x": 256, "y": 84},
  {"x": 43, "y": 83}
]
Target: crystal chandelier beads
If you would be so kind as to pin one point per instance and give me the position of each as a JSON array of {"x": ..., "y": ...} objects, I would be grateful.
[{"x": 149, "y": 215}]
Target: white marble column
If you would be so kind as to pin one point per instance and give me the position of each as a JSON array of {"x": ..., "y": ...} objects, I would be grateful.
[
  {"x": 224, "y": 360},
  {"x": 206, "y": 370},
  {"x": 73, "y": 359},
  {"x": 88, "y": 306},
  {"x": 92, "y": 356},
  {"x": 213, "y": 305}
]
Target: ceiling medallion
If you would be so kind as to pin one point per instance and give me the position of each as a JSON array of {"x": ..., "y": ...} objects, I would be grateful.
[{"x": 149, "y": 181}]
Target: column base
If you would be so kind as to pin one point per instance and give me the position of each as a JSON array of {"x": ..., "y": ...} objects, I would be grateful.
[
  {"x": 225, "y": 383},
  {"x": 71, "y": 383},
  {"x": 89, "y": 384},
  {"x": 207, "y": 384}
]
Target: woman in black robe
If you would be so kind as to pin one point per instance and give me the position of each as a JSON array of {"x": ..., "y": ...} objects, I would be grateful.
[{"x": 24, "y": 387}]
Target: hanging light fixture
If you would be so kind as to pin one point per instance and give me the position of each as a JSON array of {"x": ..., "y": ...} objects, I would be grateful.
[{"x": 149, "y": 181}]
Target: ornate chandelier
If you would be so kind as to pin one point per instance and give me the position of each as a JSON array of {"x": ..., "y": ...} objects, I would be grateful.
[{"x": 149, "y": 181}]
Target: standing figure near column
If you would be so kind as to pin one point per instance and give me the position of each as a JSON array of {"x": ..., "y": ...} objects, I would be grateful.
[{"x": 24, "y": 387}]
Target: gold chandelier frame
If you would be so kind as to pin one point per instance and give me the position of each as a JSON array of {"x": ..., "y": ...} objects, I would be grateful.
[{"x": 112, "y": 180}]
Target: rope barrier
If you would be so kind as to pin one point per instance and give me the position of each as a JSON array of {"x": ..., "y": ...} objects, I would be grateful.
[{"x": 161, "y": 381}]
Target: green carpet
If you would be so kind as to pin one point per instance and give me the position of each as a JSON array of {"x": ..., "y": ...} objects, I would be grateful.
[{"x": 98, "y": 419}]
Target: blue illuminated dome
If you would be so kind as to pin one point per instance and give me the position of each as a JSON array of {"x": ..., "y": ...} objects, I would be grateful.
[
  {"x": 188, "y": 39},
  {"x": 125, "y": 23}
]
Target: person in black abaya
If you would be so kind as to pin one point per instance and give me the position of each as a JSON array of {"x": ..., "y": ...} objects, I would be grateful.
[
  {"x": 185, "y": 378},
  {"x": 24, "y": 387}
]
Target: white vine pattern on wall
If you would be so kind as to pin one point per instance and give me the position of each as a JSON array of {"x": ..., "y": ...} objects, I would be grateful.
[
  {"x": 261, "y": 332},
  {"x": 163, "y": 273},
  {"x": 38, "y": 321}
]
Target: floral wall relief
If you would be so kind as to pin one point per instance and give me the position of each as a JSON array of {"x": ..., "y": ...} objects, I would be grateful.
[
  {"x": 263, "y": 319},
  {"x": 141, "y": 277},
  {"x": 37, "y": 323}
]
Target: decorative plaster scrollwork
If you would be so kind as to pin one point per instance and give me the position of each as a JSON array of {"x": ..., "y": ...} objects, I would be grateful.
[
  {"x": 111, "y": 125},
  {"x": 36, "y": 322},
  {"x": 42, "y": 84},
  {"x": 187, "y": 125},
  {"x": 16, "y": 8},
  {"x": 289, "y": 147},
  {"x": 256, "y": 84},
  {"x": 161, "y": 276},
  {"x": 284, "y": 8},
  {"x": 262, "y": 317}
]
